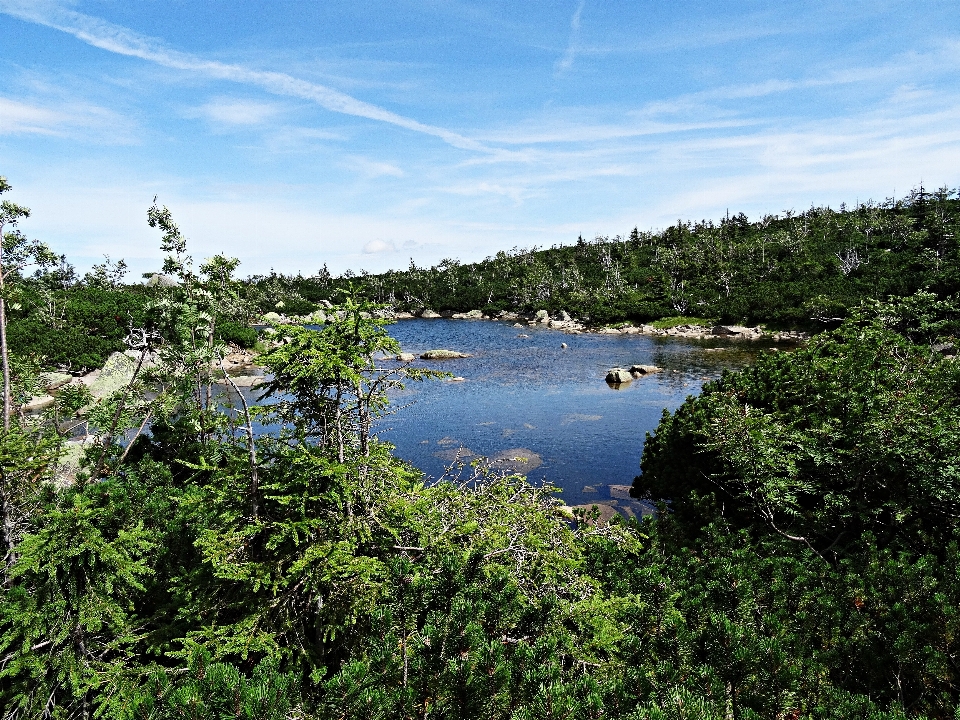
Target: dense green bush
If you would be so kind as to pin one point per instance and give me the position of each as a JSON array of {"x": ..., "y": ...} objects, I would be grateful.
[
  {"x": 236, "y": 334},
  {"x": 75, "y": 328},
  {"x": 839, "y": 459}
]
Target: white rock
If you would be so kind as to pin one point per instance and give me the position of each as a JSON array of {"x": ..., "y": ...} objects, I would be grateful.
[{"x": 38, "y": 403}]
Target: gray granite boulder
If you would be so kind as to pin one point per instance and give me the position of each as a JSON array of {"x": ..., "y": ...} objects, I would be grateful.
[
  {"x": 617, "y": 376},
  {"x": 38, "y": 403},
  {"x": 443, "y": 355},
  {"x": 54, "y": 380}
]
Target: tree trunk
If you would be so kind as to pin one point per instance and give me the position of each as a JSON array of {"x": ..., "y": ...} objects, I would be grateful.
[
  {"x": 7, "y": 392},
  {"x": 251, "y": 448},
  {"x": 9, "y": 533},
  {"x": 7, "y": 399}
]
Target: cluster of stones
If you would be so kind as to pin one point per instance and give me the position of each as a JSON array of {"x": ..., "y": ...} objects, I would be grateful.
[
  {"x": 561, "y": 321},
  {"x": 702, "y": 332}
]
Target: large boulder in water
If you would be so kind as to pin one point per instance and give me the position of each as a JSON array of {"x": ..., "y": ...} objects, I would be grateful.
[
  {"x": 617, "y": 376},
  {"x": 443, "y": 355},
  {"x": 429, "y": 314}
]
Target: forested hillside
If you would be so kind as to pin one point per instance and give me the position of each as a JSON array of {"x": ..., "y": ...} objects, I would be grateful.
[
  {"x": 804, "y": 562},
  {"x": 786, "y": 269}
]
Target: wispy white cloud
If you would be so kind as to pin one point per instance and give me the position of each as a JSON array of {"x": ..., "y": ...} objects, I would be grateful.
[
  {"x": 716, "y": 108},
  {"x": 291, "y": 139},
  {"x": 552, "y": 130},
  {"x": 62, "y": 119},
  {"x": 573, "y": 45},
  {"x": 17, "y": 117},
  {"x": 116, "y": 39},
  {"x": 375, "y": 247},
  {"x": 371, "y": 168},
  {"x": 516, "y": 191},
  {"x": 236, "y": 112}
]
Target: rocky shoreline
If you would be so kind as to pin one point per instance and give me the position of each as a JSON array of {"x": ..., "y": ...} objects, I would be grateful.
[{"x": 564, "y": 322}]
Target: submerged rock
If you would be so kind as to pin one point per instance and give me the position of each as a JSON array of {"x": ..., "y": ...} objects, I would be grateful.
[
  {"x": 644, "y": 369},
  {"x": 454, "y": 455},
  {"x": 245, "y": 380},
  {"x": 599, "y": 513},
  {"x": 518, "y": 461}
]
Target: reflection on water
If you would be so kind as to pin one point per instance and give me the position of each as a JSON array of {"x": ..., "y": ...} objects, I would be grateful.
[{"x": 533, "y": 407}]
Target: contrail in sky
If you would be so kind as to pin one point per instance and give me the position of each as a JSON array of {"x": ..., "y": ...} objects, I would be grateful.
[
  {"x": 566, "y": 62},
  {"x": 120, "y": 40}
]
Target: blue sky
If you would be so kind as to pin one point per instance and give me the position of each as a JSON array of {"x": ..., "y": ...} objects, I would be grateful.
[{"x": 363, "y": 134}]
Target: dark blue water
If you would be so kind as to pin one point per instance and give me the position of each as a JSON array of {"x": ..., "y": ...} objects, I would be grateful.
[{"x": 528, "y": 397}]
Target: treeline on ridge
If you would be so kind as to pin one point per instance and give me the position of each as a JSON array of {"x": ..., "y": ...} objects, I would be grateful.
[{"x": 786, "y": 270}]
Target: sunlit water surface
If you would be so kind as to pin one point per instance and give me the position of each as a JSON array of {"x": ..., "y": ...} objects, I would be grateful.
[{"x": 524, "y": 396}]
